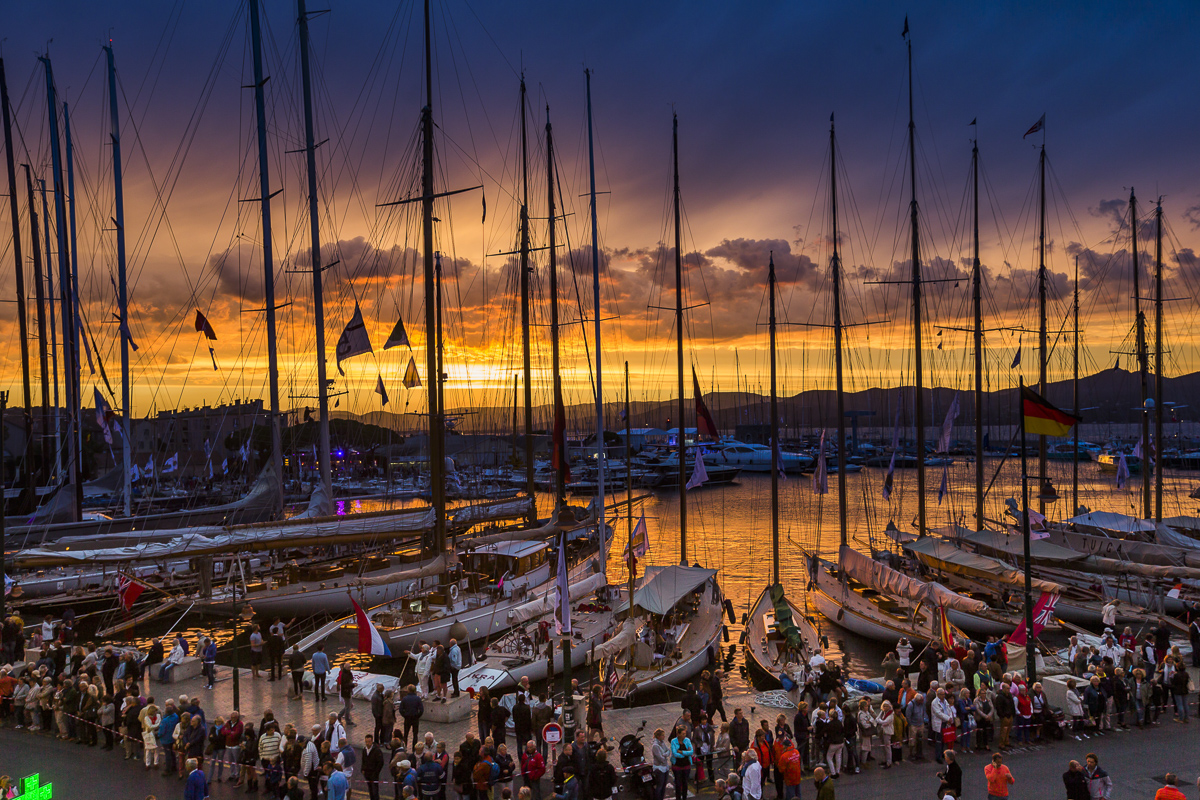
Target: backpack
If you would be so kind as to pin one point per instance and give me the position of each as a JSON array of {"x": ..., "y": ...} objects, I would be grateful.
[
  {"x": 495, "y": 771},
  {"x": 349, "y": 759}
]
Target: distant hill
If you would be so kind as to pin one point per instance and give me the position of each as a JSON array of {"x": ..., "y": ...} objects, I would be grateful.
[{"x": 1110, "y": 396}]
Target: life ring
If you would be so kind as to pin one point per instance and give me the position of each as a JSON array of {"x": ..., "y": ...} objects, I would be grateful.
[{"x": 454, "y": 591}]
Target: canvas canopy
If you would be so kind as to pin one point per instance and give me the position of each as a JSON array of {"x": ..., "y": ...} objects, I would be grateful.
[
  {"x": 1042, "y": 551},
  {"x": 663, "y": 587},
  {"x": 884, "y": 579},
  {"x": 489, "y": 512}
]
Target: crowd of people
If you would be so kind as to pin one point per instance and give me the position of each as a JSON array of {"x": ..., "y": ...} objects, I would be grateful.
[{"x": 964, "y": 700}]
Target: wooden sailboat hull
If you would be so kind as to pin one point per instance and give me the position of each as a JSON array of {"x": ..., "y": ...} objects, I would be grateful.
[
  {"x": 859, "y": 615},
  {"x": 699, "y": 646},
  {"x": 762, "y": 649}
]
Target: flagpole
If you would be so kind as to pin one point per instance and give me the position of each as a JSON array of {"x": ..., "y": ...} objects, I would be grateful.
[{"x": 1030, "y": 657}]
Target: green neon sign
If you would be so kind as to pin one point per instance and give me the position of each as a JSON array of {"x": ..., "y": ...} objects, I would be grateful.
[{"x": 30, "y": 790}]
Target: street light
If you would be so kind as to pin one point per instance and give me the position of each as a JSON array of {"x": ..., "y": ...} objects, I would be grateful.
[{"x": 244, "y": 613}]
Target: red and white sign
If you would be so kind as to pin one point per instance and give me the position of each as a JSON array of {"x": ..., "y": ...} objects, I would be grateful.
[{"x": 552, "y": 733}]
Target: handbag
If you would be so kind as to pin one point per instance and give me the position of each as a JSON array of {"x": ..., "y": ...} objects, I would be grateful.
[{"x": 949, "y": 736}]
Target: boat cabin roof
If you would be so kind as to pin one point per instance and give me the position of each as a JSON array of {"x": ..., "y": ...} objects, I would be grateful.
[{"x": 510, "y": 549}]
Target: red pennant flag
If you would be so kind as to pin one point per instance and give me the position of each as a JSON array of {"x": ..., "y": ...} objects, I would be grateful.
[
  {"x": 704, "y": 420},
  {"x": 202, "y": 324}
]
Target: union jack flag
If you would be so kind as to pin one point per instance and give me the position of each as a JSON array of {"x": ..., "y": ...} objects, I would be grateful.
[{"x": 128, "y": 590}]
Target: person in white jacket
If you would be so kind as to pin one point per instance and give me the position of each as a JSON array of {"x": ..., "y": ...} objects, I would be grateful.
[
  {"x": 886, "y": 722},
  {"x": 867, "y": 724},
  {"x": 310, "y": 761},
  {"x": 424, "y": 665},
  {"x": 752, "y": 779},
  {"x": 941, "y": 715},
  {"x": 1074, "y": 705}
]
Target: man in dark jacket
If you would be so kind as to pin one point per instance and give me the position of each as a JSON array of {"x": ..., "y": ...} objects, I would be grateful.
[
  {"x": 523, "y": 722},
  {"x": 739, "y": 734},
  {"x": 372, "y": 764},
  {"x": 411, "y": 711},
  {"x": 716, "y": 693},
  {"x": 1006, "y": 710}
]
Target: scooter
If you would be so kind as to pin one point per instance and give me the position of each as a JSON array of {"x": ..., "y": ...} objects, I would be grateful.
[{"x": 639, "y": 776}]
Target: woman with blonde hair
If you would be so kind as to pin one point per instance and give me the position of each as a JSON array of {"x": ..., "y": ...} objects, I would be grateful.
[
  {"x": 867, "y": 723},
  {"x": 886, "y": 726}
]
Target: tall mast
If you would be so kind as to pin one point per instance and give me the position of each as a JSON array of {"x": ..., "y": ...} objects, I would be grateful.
[
  {"x": 58, "y": 459},
  {"x": 437, "y": 465},
  {"x": 601, "y": 452},
  {"x": 1156, "y": 451},
  {"x": 679, "y": 347},
  {"x": 264, "y": 187},
  {"x": 836, "y": 268},
  {"x": 775, "y": 465},
  {"x": 977, "y": 301},
  {"x": 560, "y": 483},
  {"x": 22, "y": 314},
  {"x": 628, "y": 475},
  {"x": 43, "y": 367},
  {"x": 76, "y": 376},
  {"x": 1075, "y": 397},
  {"x": 916, "y": 304},
  {"x": 1043, "y": 346},
  {"x": 1142, "y": 356},
  {"x": 64, "y": 287},
  {"x": 122, "y": 290},
  {"x": 310, "y": 153},
  {"x": 526, "y": 352}
]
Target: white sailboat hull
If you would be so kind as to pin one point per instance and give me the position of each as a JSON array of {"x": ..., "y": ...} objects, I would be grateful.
[{"x": 859, "y": 615}]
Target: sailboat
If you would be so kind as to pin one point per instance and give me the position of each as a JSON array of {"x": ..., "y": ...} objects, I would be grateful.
[
  {"x": 777, "y": 633},
  {"x": 673, "y": 620}
]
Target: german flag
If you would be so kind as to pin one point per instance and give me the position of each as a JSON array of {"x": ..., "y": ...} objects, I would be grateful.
[{"x": 1043, "y": 419}]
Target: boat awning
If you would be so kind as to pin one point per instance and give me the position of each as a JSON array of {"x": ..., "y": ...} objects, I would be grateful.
[
  {"x": 888, "y": 581},
  {"x": 1167, "y": 533},
  {"x": 940, "y": 554},
  {"x": 1041, "y": 550},
  {"x": 663, "y": 587},
  {"x": 1110, "y": 521}
]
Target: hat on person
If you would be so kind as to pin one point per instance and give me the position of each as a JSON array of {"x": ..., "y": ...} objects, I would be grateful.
[{"x": 405, "y": 765}]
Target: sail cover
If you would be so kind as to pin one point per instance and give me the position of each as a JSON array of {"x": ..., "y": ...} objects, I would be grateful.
[
  {"x": 488, "y": 512},
  {"x": 1107, "y": 521},
  {"x": 620, "y": 641},
  {"x": 945, "y": 556},
  {"x": 783, "y": 619},
  {"x": 1043, "y": 552},
  {"x": 888, "y": 581},
  {"x": 546, "y": 604},
  {"x": 663, "y": 587}
]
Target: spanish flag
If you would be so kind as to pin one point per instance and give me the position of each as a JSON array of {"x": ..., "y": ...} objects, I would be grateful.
[
  {"x": 945, "y": 630},
  {"x": 1043, "y": 419}
]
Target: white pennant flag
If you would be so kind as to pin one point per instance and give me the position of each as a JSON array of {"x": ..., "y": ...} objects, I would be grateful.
[
  {"x": 820, "y": 479},
  {"x": 149, "y": 469},
  {"x": 354, "y": 340},
  {"x": 171, "y": 464},
  {"x": 225, "y": 466},
  {"x": 944, "y": 489},
  {"x": 699, "y": 474},
  {"x": 889, "y": 480},
  {"x": 1122, "y": 472},
  {"x": 948, "y": 426},
  {"x": 134, "y": 475}
]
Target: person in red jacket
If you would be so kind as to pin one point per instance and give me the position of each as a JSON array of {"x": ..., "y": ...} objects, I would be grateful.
[
  {"x": 787, "y": 761},
  {"x": 1170, "y": 791},
  {"x": 533, "y": 767}
]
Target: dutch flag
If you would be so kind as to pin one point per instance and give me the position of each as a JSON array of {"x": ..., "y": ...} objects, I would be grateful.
[{"x": 369, "y": 640}]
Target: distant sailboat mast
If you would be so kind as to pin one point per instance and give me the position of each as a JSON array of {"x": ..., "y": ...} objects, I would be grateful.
[
  {"x": 601, "y": 451},
  {"x": 49, "y": 474},
  {"x": 1143, "y": 356},
  {"x": 1156, "y": 451},
  {"x": 526, "y": 353},
  {"x": 1043, "y": 346},
  {"x": 560, "y": 473}
]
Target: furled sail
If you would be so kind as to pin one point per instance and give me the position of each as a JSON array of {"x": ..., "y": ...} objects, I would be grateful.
[{"x": 884, "y": 579}]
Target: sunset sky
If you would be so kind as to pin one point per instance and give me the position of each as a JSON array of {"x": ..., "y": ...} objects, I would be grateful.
[{"x": 754, "y": 86}]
